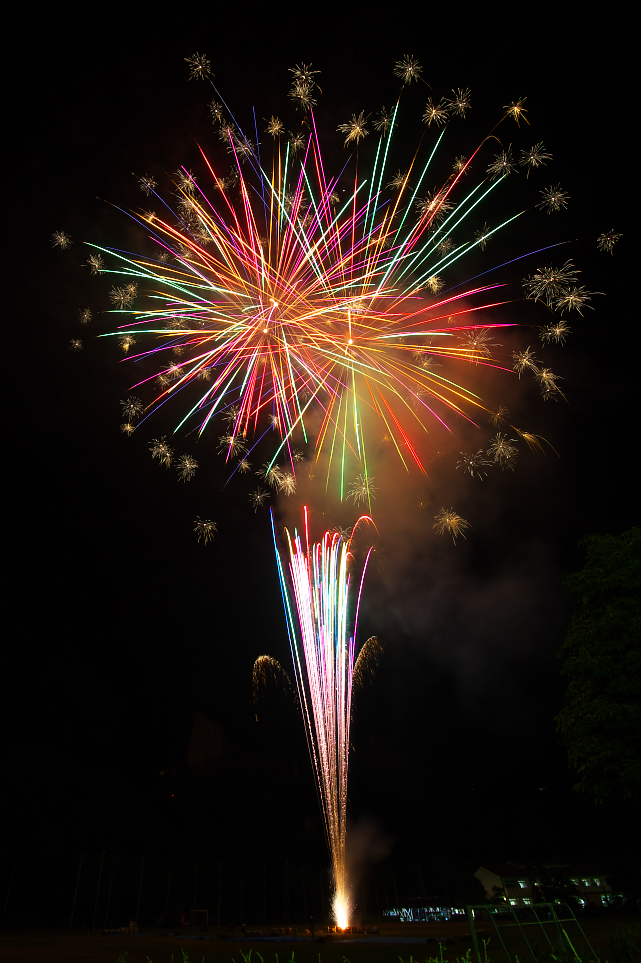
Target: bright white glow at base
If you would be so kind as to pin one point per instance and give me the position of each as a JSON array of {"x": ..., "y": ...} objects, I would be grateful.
[{"x": 340, "y": 907}]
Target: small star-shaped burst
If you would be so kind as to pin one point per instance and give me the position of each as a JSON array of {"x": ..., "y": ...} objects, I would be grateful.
[
  {"x": 408, "y": 69},
  {"x": 459, "y": 165},
  {"x": 75, "y": 344},
  {"x": 384, "y": 121},
  {"x": 434, "y": 284},
  {"x": 301, "y": 93},
  {"x": 447, "y": 520},
  {"x": 231, "y": 445},
  {"x": 474, "y": 464},
  {"x": 476, "y": 342},
  {"x": 186, "y": 467},
  {"x": 85, "y": 316},
  {"x": 554, "y": 199},
  {"x": 502, "y": 165},
  {"x": 147, "y": 184},
  {"x": 126, "y": 341},
  {"x": 534, "y": 157},
  {"x": 199, "y": 66},
  {"x": 96, "y": 264},
  {"x": 557, "y": 332},
  {"x": 398, "y": 180},
  {"x": 436, "y": 113},
  {"x": 205, "y": 529},
  {"x": 574, "y": 298},
  {"x": 362, "y": 489},
  {"x": 287, "y": 483},
  {"x": 460, "y": 102},
  {"x": 272, "y": 474},
  {"x": 547, "y": 380},
  {"x": 434, "y": 206},
  {"x": 244, "y": 465},
  {"x": 502, "y": 451},
  {"x": 258, "y": 498},
  {"x": 524, "y": 361},
  {"x": 186, "y": 181},
  {"x": 132, "y": 408},
  {"x": 355, "y": 128},
  {"x": 121, "y": 297},
  {"x": 482, "y": 237},
  {"x": 516, "y": 110},
  {"x": 499, "y": 416},
  {"x": 606, "y": 242},
  {"x": 275, "y": 126},
  {"x": 160, "y": 449},
  {"x": 303, "y": 73},
  {"x": 216, "y": 111},
  {"x": 61, "y": 239},
  {"x": 549, "y": 283},
  {"x": 296, "y": 143}
]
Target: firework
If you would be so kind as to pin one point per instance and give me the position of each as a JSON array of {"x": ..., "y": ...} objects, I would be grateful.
[
  {"x": 524, "y": 361},
  {"x": 474, "y": 464},
  {"x": 162, "y": 451},
  {"x": 96, "y": 264},
  {"x": 362, "y": 490},
  {"x": 205, "y": 529},
  {"x": 436, "y": 113},
  {"x": 502, "y": 165},
  {"x": 312, "y": 307},
  {"x": 258, "y": 498},
  {"x": 267, "y": 673},
  {"x": 369, "y": 659},
  {"x": 354, "y": 129},
  {"x": 186, "y": 467},
  {"x": 61, "y": 239},
  {"x": 534, "y": 157},
  {"x": 306, "y": 306},
  {"x": 199, "y": 67},
  {"x": 75, "y": 344},
  {"x": 502, "y": 451},
  {"x": 447, "y": 520},
  {"x": 553, "y": 199},
  {"x": 318, "y": 583},
  {"x": 408, "y": 69},
  {"x": 85, "y": 316},
  {"x": 132, "y": 408},
  {"x": 147, "y": 184},
  {"x": 499, "y": 416},
  {"x": 606, "y": 242}
]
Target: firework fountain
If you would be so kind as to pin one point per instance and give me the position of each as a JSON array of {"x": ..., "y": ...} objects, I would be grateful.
[
  {"x": 297, "y": 311},
  {"x": 319, "y": 582}
]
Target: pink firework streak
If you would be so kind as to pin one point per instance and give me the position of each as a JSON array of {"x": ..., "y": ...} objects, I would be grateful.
[{"x": 320, "y": 584}]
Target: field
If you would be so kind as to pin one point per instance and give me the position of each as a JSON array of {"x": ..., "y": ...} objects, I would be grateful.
[{"x": 403, "y": 942}]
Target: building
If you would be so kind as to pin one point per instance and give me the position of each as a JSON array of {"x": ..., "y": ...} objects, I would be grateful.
[{"x": 521, "y": 884}]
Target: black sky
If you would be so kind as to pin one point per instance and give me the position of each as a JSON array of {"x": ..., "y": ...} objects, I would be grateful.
[{"x": 124, "y": 627}]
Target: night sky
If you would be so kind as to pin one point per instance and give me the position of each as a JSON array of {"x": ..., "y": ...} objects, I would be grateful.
[{"x": 128, "y": 678}]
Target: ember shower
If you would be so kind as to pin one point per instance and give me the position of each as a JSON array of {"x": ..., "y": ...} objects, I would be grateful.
[
  {"x": 322, "y": 640},
  {"x": 295, "y": 314}
]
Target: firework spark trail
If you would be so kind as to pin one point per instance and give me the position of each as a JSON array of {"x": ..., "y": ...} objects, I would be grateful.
[
  {"x": 320, "y": 317},
  {"x": 317, "y": 594},
  {"x": 331, "y": 316}
]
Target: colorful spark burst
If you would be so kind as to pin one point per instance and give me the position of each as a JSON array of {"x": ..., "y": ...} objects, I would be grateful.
[{"x": 321, "y": 587}]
